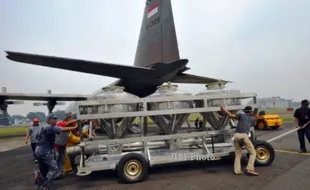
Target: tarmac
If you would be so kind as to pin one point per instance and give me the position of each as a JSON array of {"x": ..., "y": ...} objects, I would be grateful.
[{"x": 289, "y": 170}]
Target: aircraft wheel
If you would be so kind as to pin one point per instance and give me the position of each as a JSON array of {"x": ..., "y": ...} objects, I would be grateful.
[
  {"x": 265, "y": 153},
  {"x": 132, "y": 168}
]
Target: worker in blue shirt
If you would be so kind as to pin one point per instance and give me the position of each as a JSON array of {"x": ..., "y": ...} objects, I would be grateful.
[{"x": 44, "y": 152}]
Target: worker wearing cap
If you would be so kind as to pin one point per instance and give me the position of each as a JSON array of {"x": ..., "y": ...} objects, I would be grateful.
[
  {"x": 245, "y": 122},
  {"x": 32, "y": 133},
  {"x": 302, "y": 117},
  {"x": 44, "y": 152}
]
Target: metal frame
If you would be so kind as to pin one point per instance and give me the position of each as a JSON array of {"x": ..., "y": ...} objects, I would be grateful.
[
  {"x": 180, "y": 145},
  {"x": 145, "y": 112}
]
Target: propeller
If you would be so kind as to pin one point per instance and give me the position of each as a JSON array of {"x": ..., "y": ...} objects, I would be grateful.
[
  {"x": 4, "y": 103},
  {"x": 50, "y": 103},
  {"x": 4, "y": 106},
  {"x": 46, "y": 103}
]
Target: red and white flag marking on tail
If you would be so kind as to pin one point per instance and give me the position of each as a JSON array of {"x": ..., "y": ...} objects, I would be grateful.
[{"x": 152, "y": 9}]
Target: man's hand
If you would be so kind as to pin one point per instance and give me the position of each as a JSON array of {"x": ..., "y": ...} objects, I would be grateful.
[
  {"x": 26, "y": 141},
  {"x": 222, "y": 108},
  {"x": 232, "y": 116}
]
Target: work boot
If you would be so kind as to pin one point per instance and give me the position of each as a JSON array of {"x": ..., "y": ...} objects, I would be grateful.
[
  {"x": 302, "y": 151},
  {"x": 252, "y": 173},
  {"x": 69, "y": 173},
  {"x": 238, "y": 173}
]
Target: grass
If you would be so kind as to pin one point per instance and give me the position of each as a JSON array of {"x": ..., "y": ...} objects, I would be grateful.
[
  {"x": 287, "y": 118},
  {"x": 21, "y": 130},
  {"x": 13, "y": 131}
]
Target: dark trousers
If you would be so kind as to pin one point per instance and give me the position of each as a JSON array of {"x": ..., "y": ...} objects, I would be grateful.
[
  {"x": 301, "y": 137},
  {"x": 48, "y": 167},
  {"x": 60, "y": 160},
  {"x": 33, "y": 147}
]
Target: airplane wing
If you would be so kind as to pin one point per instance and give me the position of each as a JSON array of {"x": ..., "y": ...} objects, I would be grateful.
[
  {"x": 42, "y": 97},
  {"x": 188, "y": 78},
  {"x": 91, "y": 67}
]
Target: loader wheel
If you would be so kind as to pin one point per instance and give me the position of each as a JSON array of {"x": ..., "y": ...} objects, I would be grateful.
[
  {"x": 261, "y": 125},
  {"x": 265, "y": 153},
  {"x": 132, "y": 168}
]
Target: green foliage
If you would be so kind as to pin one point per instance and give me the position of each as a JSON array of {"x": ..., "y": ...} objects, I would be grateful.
[
  {"x": 40, "y": 115},
  {"x": 18, "y": 117},
  {"x": 13, "y": 131}
]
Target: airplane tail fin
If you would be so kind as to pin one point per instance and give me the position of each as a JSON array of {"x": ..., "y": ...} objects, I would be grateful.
[{"x": 157, "y": 40}]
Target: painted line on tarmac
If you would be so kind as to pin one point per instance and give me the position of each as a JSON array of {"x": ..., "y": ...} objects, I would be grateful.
[{"x": 293, "y": 152}]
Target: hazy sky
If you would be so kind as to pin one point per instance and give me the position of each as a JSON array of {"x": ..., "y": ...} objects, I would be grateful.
[{"x": 261, "y": 45}]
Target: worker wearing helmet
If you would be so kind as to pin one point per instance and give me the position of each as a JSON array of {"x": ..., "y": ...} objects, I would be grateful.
[
  {"x": 32, "y": 133},
  {"x": 241, "y": 138}
]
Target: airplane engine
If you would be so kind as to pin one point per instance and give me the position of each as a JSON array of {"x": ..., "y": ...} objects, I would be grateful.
[{"x": 170, "y": 124}]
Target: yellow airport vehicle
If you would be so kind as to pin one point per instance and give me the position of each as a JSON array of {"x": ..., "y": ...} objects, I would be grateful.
[{"x": 264, "y": 121}]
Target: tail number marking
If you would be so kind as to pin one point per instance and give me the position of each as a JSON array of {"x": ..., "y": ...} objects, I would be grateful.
[{"x": 153, "y": 23}]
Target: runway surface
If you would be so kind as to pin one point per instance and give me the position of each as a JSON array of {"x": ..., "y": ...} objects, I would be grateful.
[{"x": 289, "y": 171}]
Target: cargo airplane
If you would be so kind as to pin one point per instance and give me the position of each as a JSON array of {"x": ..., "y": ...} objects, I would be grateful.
[{"x": 157, "y": 61}]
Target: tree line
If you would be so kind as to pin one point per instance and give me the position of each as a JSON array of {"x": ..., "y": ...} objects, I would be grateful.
[{"x": 41, "y": 115}]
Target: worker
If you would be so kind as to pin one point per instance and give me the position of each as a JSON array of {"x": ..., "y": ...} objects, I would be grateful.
[
  {"x": 44, "y": 152},
  {"x": 32, "y": 133},
  {"x": 69, "y": 162},
  {"x": 84, "y": 124},
  {"x": 302, "y": 117},
  {"x": 198, "y": 123},
  {"x": 241, "y": 138},
  {"x": 85, "y": 129},
  {"x": 60, "y": 145}
]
